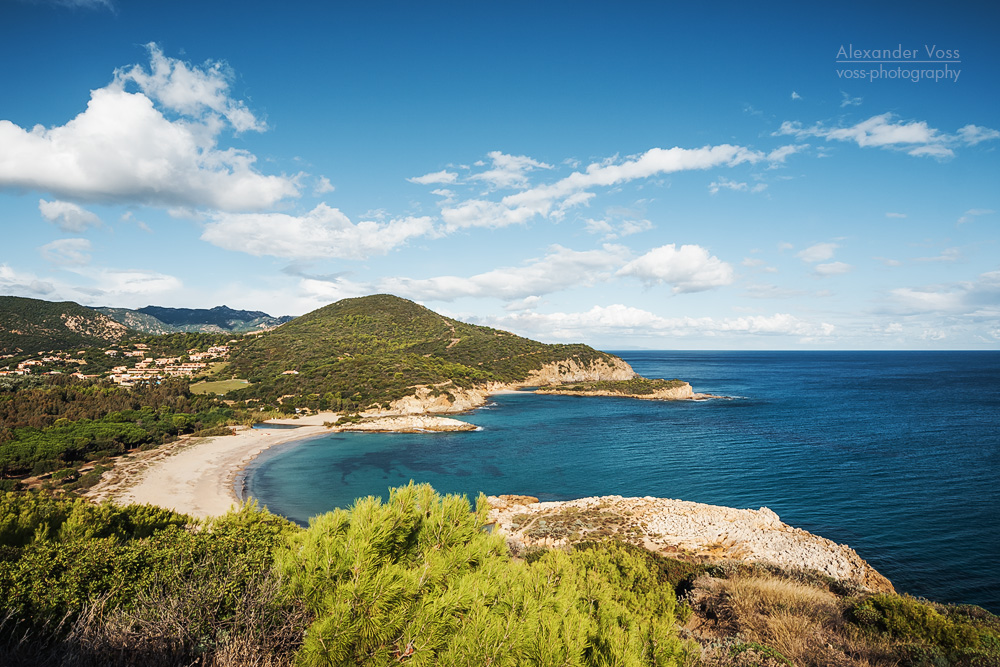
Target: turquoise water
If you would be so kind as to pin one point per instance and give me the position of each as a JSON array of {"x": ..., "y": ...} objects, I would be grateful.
[{"x": 896, "y": 454}]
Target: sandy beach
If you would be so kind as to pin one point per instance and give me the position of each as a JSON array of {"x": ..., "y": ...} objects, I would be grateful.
[{"x": 196, "y": 476}]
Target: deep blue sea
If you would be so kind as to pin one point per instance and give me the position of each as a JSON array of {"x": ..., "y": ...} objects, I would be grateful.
[{"x": 896, "y": 454}]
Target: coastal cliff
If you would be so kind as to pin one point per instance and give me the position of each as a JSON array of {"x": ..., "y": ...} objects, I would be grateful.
[
  {"x": 682, "y": 530},
  {"x": 447, "y": 397}
]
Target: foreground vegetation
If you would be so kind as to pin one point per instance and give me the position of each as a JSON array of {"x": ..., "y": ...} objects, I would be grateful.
[{"x": 418, "y": 580}]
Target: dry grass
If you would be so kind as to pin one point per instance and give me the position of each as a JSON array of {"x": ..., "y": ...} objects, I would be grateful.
[{"x": 803, "y": 623}]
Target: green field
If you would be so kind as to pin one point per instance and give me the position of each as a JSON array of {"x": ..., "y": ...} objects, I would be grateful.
[{"x": 219, "y": 386}]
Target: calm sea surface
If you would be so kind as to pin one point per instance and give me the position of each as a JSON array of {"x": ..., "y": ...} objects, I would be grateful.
[{"x": 896, "y": 454}]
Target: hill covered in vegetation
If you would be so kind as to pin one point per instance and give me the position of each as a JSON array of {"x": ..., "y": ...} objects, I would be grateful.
[
  {"x": 33, "y": 325},
  {"x": 370, "y": 351},
  {"x": 161, "y": 320}
]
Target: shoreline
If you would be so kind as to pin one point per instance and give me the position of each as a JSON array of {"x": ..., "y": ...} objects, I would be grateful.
[
  {"x": 199, "y": 476},
  {"x": 206, "y": 477}
]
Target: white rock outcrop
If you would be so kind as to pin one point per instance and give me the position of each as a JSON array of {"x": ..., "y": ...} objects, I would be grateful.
[{"x": 681, "y": 529}]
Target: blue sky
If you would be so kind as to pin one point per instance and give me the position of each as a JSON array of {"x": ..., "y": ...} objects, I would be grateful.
[{"x": 636, "y": 175}]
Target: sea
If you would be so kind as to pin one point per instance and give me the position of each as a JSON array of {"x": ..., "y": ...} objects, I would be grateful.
[{"x": 896, "y": 454}]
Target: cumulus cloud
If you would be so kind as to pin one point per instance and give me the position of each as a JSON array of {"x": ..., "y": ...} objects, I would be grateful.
[
  {"x": 322, "y": 232},
  {"x": 973, "y": 299},
  {"x": 130, "y": 282},
  {"x": 618, "y": 319},
  {"x": 442, "y": 177},
  {"x": 560, "y": 269},
  {"x": 832, "y": 269},
  {"x": 612, "y": 229},
  {"x": 817, "y": 253},
  {"x": 553, "y": 200},
  {"x": 67, "y": 251},
  {"x": 67, "y": 216},
  {"x": 197, "y": 92},
  {"x": 689, "y": 268},
  {"x": 796, "y": 96},
  {"x": 883, "y": 131},
  {"x": 13, "y": 283},
  {"x": 323, "y": 185},
  {"x": 122, "y": 149},
  {"x": 509, "y": 171},
  {"x": 974, "y": 134},
  {"x": 483, "y": 213}
]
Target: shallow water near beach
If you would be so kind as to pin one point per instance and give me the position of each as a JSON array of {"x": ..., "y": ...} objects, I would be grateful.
[{"x": 896, "y": 454}]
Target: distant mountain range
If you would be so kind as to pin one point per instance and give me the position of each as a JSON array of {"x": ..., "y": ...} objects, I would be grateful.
[
  {"x": 33, "y": 325},
  {"x": 160, "y": 320}
]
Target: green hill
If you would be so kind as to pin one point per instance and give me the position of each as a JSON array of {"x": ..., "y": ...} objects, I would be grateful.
[
  {"x": 372, "y": 350},
  {"x": 33, "y": 325}
]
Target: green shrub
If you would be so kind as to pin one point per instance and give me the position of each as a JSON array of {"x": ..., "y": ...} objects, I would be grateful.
[{"x": 418, "y": 578}]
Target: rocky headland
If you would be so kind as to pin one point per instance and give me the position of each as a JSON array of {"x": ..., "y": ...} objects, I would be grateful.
[{"x": 680, "y": 529}]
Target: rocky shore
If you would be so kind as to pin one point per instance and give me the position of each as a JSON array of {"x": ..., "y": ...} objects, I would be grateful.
[
  {"x": 680, "y": 529},
  {"x": 683, "y": 392}
]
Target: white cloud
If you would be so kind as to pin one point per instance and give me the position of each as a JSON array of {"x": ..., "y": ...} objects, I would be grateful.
[
  {"x": 832, "y": 269},
  {"x": 796, "y": 96},
  {"x": 554, "y": 200},
  {"x": 947, "y": 255},
  {"x": 122, "y": 282},
  {"x": 562, "y": 268},
  {"x": 621, "y": 320},
  {"x": 322, "y": 232},
  {"x": 509, "y": 171},
  {"x": 122, "y": 149},
  {"x": 767, "y": 291},
  {"x": 689, "y": 268},
  {"x": 615, "y": 229},
  {"x": 13, "y": 283},
  {"x": 483, "y": 213},
  {"x": 973, "y": 213},
  {"x": 917, "y": 138},
  {"x": 878, "y": 131},
  {"x": 653, "y": 162},
  {"x": 67, "y": 251},
  {"x": 817, "y": 252},
  {"x": 895, "y": 215},
  {"x": 848, "y": 101},
  {"x": 725, "y": 183},
  {"x": 974, "y": 134},
  {"x": 68, "y": 217},
  {"x": 527, "y": 303},
  {"x": 197, "y": 92},
  {"x": 323, "y": 186},
  {"x": 777, "y": 156},
  {"x": 973, "y": 299},
  {"x": 442, "y": 177}
]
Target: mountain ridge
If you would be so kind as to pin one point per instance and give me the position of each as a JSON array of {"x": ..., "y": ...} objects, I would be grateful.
[{"x": 35, "y": 325}]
